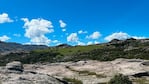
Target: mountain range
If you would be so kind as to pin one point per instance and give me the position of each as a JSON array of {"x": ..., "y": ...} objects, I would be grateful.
[{"x": 11, "y": 47}]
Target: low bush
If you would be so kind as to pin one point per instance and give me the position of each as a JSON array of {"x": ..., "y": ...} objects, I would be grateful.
[
  {"x": 120, "y": 79},
  {"x": 73, "y": 81}
]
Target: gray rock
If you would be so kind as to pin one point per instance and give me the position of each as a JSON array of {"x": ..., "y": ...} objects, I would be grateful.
[
  {"x": 145, "y": 63},
  {"x": 89, "y": 72},
  {"x": 15, "y": 66},
  {"x": 9, "y": 75},
  {"x": 28, "y": 78}
]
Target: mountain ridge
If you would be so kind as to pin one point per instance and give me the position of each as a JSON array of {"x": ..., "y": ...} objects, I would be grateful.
[{"x": 12, "y": 47}]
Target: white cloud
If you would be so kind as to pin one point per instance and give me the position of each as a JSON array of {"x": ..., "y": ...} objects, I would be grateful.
[
  {"x": 81, "y": 43},
  {"x": 63, "y": 30},
  {"x": 36, "y": 30},
  {"x": 121, "y": 36},
  {"x": 41, "y": 40},
  {"x": 55, "y": 41},
  {"x": 89, "y": 43},
  {"x": 62, "y": 24},
  {"x": 136, "y": 37},
  {"x": 73, "y": 37},
  {"x": 117, "y": 35},
  {"x": 95, "y": 35},
  {"x": 5, "y": 18},
  {"x": 96, "y": 42},
  {"x": 17, "y": 35},
  {"x": 4, "y": 38},
  {"x": 82, "y": 32}
]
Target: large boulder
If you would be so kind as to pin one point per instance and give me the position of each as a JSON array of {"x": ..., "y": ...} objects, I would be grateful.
[{"x": 15, "y": 66}]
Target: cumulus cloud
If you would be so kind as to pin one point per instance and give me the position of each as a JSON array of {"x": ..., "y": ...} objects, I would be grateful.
[
  {"x": 41, "y": 40},
  {"x": 81, "y": 43},
  {"x": 90, "y": 43},
  {"x": 5, "y": 18},
  {"x": 121, "y": 36},
  {"x": 82, "y": 32},
  {"x": 36, "y": 29},
  {"x": 117, "y": 35},
  {"x": 95, "y": 35},
  {"x": 4, "y": 38},
  {"x": 62, "y": 24},
  {"x": 73, "y": 37}
]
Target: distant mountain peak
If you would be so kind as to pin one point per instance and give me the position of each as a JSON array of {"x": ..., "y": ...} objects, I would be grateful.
[{"x": 10, "y": 47}]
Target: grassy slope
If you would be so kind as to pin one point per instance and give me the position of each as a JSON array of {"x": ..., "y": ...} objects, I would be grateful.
[
  {"x": 73, "y": 50},
  {"x": 102, "y": 52}
]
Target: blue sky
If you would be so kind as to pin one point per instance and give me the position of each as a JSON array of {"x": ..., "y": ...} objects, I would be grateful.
[{"x": 76, "y": 22}]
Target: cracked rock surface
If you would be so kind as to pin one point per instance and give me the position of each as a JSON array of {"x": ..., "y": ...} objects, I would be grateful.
[
  {"x": 89, "y": 72},
  {"x": 14, "y": 73}
]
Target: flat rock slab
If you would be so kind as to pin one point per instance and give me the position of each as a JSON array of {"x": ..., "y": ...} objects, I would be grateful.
[
  {"x": 89, "y": 72},
  {"x": 108, "y": 69}
]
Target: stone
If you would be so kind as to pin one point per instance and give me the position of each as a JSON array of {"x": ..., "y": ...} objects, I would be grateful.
[
  {"x": 145, "y": 63},
  {"x": 89, "y": 72},
  {"x": 28, "y": 78},
  {"x": 9, "y": 75},
  {"x": 14, "y": 66}
]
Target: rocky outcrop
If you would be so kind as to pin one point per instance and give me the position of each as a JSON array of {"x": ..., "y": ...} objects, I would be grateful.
[
  {"x": 145, "y": 63},
  {"x": 15, "y": 66},
  {"x": 13, "y": 73},
  {"x": 94, "y": 72},
  {"x": 63, "y": 46},
  {"x": 89, "y": 72}
]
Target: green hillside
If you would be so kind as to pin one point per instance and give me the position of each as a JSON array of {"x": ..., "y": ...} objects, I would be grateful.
[{"x": 130, "y": 48}]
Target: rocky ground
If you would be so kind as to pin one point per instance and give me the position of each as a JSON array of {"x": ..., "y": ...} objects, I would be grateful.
[
  {"x": 14, "y": 73},
  {"x": 89, "y": 72}
]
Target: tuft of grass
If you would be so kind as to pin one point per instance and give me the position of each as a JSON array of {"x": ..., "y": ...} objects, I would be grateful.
[
  {"x": 72, "y": 80},
  {"x": 120, "y": 79},
  {"x": 141, "y": 81},
  {"x": 91, "y": 73},
  {"x": 85, "y": 72}
]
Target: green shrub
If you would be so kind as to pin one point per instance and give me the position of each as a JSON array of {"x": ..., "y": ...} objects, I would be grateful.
[
  {"x": 120, "y": 79},
  {"x": 73, "y": 80}
]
